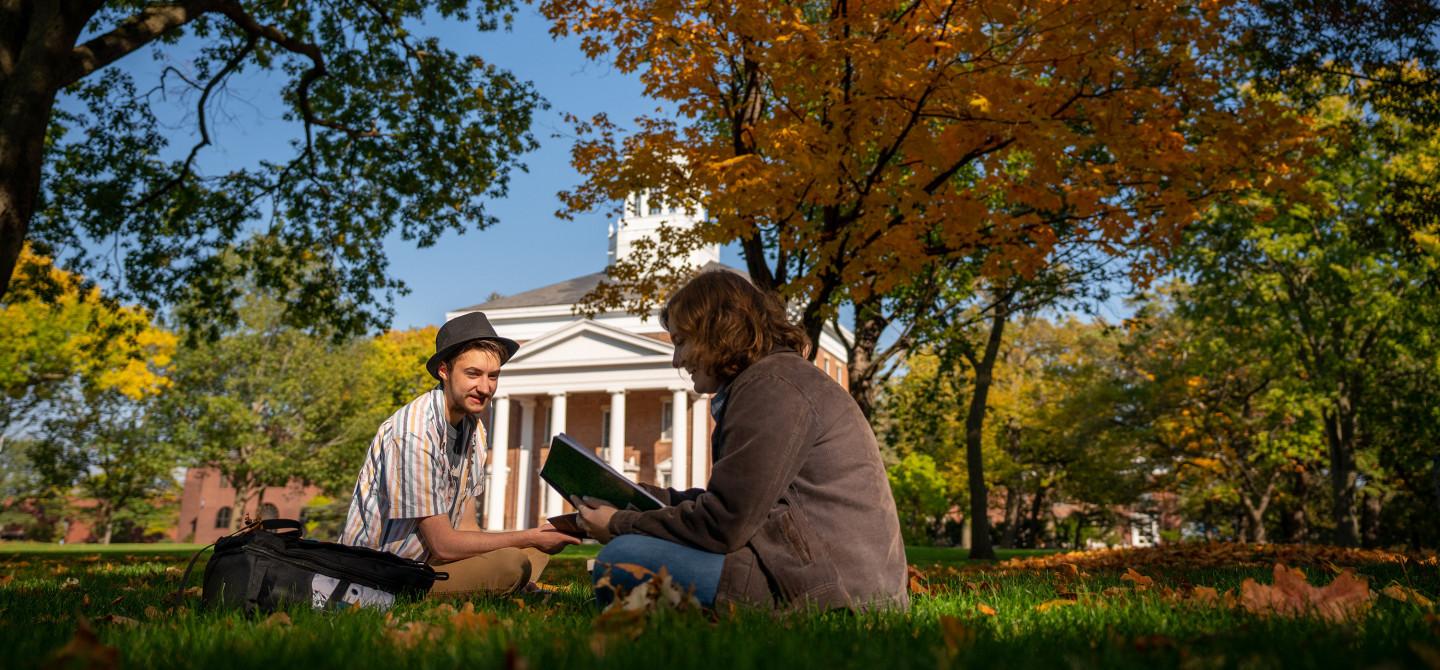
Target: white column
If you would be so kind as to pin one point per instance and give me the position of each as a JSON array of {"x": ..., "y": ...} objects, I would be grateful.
[
  {"x": 616, "y": 457},
  {"x": 700, "y": 442},
  {"x": 679, "y": 399},
  {"x": 553, "y": 504},
  {"x": 499, "y": 464},
  {"x": 523, "y": 517}
]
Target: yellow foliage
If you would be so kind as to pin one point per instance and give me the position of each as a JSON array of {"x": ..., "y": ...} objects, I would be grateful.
[{"x": 54, "y": 326}]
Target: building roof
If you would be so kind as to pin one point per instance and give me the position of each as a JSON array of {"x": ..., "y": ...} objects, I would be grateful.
[{"x": 568, "y": 292}]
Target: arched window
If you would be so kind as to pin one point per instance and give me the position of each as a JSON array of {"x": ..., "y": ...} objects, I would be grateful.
[
  {"x": 222, "y": 517},
  {"x": 269, "y": 511}
]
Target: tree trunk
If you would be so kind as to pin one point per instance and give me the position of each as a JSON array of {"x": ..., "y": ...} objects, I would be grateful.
[
  {"x": 1295, "y": 524},
  {"x": 1340, "y": 434},
  {"x": 980, "y": 545},
  {"x": 1012, "y": 513},
  {"x": 860, "y": 373},
  {"x": 27, "y": 100},
  {"x": 1371, "y": 507},
  {"x": 1035, "y": 528}
]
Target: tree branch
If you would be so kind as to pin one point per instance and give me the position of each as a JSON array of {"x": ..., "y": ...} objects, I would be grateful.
[{"x": 131, "y": 34}]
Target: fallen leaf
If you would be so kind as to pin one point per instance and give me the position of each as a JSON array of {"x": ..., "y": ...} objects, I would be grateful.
[
  {"x": 151, "y": 612},
  {"x": 70, "y": 583},
  {"x": 1052, "y": 604},
  {"x": 518, "y": 602},
  {"x": 276, "y": 620},
  {"x": 413, "y": 633},
  {"x": 1205, "y": 594},
  {"x": 1346, "y": 597},
  {"x": 117, "y": 600},
  {"x": 955, "y": 633},
  {"x": 467, "y": 619},
  {"x": 985, "y": 609},
  {"x": 118, "y": 620},
  {"x": 1406, "y": 594},
  {"x": 1140, "y": 581},
  {"x": 6, "y": 579},
  {"x": 917, "y": 581},
  {"x": 637, "y": 571},
  {"x": 84, "y": 650},
  {"x": 85, "y": 600}
]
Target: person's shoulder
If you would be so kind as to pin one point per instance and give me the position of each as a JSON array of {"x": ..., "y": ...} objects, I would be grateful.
[
  {"x": 414, "y": 420},
  {"x": 786, "y": 364},
  {"x": 787, "y": 368}
]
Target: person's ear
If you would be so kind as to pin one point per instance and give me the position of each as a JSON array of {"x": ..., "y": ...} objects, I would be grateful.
[{"x": 443, "y": 371}]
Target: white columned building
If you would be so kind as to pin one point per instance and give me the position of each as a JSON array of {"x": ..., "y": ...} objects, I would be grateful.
[{"x": 607, "y": 381}]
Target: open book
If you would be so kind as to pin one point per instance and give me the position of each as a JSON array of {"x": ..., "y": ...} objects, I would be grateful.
[{"x": 574, "y": 470}]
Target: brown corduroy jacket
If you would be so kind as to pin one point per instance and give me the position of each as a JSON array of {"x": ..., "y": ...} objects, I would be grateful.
[{"x": 798, "y": 500}]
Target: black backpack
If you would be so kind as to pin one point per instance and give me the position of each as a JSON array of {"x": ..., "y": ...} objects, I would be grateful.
[{"x": 268, "y": 565}]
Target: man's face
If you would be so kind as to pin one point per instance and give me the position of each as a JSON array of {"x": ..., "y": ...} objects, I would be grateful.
[
  {"x": 470, "y": 380},
  {"x": 684, "y": 357}
]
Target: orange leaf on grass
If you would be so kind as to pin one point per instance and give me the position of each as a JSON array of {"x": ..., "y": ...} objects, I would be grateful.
[
  {"x": 1406, "y": 594},
  {"x": 917, "y": 581},
  {"x": 1141, "y": 581},
  {"x": 84, "y": 650},
  {"x": 413, "y": 633},
  {"x": 1052, "y": 604},
  {"x": 276, "y": 620},
  {"x": 1346, "y": 597},
  {"x": 986, "y": 609},
  {"x": 1205, "y": 594},
  {"x": 467, "y": 619},
  {"x": 955, "y": 633}
]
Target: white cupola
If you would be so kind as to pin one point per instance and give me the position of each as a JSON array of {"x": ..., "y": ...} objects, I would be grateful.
[{"x": 644, "y": 215}]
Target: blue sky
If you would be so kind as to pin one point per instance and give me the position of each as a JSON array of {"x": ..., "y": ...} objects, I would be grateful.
[{"x": 529, "y": 246}]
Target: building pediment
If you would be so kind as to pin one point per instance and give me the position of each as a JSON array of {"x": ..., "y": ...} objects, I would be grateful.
[{"x": 588, "y": 342}]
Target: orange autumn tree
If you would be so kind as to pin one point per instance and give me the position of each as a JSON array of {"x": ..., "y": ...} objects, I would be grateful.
[{"x": 849, "y": 146}]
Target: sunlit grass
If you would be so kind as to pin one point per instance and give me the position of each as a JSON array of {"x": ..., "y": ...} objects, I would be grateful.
[{"x": 1110, "y": 624}]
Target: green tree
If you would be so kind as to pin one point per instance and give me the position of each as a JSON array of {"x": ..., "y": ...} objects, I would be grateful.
[
  {"x": 392, "y": 131},
  {"x": 1336, "y": 277},
  {"x": 263, "y": 402},
  {"x": 1229, "y": 419},
  {"x": 105, "y": 447},
  {"x": 55, "y": 328}
]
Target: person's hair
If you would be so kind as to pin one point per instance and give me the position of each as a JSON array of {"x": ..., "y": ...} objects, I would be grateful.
[
  {"x": 489, "y": 346},
  {"x": 729, "y": 322}
]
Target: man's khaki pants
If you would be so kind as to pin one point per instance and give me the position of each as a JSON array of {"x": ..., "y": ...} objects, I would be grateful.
[{"x": 500, "y": 572}]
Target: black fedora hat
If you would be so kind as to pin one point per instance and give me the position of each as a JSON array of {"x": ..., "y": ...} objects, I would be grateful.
[{"x": 461, "y": 330}]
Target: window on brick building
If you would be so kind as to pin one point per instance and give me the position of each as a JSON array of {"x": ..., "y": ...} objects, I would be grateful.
[
  {"x": 605, "y": 429},
  {"x": 665, "y": 416},
  {"x": 269, "y": 511},
  {"x": 222, "y": 517}
]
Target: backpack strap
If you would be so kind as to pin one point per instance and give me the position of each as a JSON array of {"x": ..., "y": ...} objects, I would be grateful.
[{"x": 278, "y": 525}]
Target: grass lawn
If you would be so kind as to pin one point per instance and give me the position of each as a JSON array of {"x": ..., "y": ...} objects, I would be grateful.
[{"x": 1048, "y": 611}]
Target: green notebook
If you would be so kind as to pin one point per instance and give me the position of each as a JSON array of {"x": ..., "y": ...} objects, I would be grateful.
[{"x": 574, "y": 470}]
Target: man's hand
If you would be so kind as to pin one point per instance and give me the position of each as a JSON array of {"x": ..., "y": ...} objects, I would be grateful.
[
  {"x": 594, "y": 517},
  {"x": 551, "y": 541}
]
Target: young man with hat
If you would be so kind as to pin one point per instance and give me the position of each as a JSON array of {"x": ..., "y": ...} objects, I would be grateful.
[{"x": 415, "y": 496}]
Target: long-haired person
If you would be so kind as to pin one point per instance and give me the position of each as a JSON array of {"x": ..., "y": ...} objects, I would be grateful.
[{"x": 798, "y": 510}]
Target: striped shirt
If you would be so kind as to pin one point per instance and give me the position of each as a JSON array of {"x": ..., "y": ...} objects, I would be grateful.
[{"x": 407, "y": 476}]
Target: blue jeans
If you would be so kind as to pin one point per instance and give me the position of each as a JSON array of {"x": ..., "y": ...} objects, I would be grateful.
[{"x": 688, "y": 566}]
